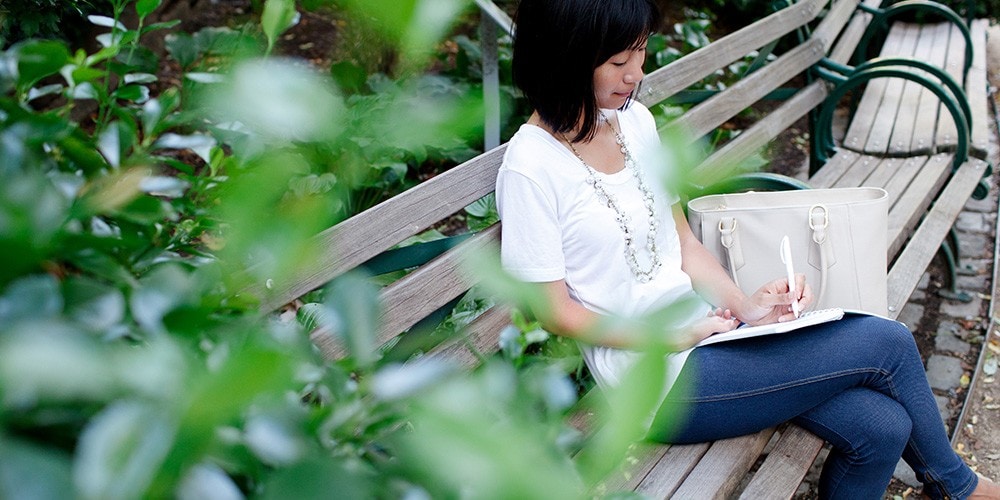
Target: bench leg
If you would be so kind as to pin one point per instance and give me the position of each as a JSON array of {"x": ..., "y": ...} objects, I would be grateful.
[{"x": 949, "y": 247}]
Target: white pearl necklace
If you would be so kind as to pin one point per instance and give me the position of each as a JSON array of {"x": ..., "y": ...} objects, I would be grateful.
[{"x": 624, "y": 221}]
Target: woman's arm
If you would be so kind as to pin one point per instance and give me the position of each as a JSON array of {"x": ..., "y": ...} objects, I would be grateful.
[
  {"x": 564, "y": 316},
  {"x": 769, "y": 304}
]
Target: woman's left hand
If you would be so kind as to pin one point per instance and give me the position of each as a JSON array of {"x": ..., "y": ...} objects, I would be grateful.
[{"x": 773, "y": 302}]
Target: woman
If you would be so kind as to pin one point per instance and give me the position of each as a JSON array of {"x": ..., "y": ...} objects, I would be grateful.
[{"x": 584, "y": 217}]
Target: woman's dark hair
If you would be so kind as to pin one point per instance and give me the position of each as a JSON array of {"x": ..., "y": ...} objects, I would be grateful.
[{"x": 559, "y": 43}]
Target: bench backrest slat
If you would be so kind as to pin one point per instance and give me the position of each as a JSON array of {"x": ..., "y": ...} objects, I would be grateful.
[
  {"x": 433, "y": 285},
  {"x": 693, "y": 67},
  {"x": 363, "y": 236},
  {"x": 718, "y": 109}
]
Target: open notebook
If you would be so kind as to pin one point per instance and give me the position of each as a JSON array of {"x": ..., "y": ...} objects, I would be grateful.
[{"x": 806, "y": 319}]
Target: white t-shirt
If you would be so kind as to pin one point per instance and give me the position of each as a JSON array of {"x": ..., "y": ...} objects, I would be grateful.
[{"x": 555, "y": 227}]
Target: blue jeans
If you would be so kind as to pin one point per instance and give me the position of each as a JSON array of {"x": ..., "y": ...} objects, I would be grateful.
[{"x": 858, "y": 383}]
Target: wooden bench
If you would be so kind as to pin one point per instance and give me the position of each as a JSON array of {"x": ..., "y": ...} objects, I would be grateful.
[{"x": 769, "y": 464}]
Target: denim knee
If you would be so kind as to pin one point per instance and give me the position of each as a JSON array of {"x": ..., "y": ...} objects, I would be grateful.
[
  {"x": 882, "y": 440},
  {"x": 886, "y": 335}
]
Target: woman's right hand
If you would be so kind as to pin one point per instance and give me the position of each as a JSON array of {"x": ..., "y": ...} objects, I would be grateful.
[{"x": 717, "y": 321}]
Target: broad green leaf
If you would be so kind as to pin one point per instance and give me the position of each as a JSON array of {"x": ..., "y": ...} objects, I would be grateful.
[
  {"x": 160, "y": 26},
  {"x": 122, "y": 449},
  {"x": 159, "y": 293},
  {"x": 135, "y": 93},
  {"x": 38, "y": 59},
  {"x": 320, "y": 478},
  {"x": 350, "y": 77},
  {"x": 182, "y": 47},
  {"x": 278, "y": 16},
  {"x": 146, "y": 7},
  {"x": 106, "y": 21},
  {"x": 355, "y": 302},
  {"x": 140, "y": 78},
  {"x": 290, "y": 101}
]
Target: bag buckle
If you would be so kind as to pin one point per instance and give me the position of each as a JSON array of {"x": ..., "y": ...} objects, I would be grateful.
[
  {"x": 813, "y": 215},
  {"x": 726, "y": 233},
  {"x": 819, "y": 219}
]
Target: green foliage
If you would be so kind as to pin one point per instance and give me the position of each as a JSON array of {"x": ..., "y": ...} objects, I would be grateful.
[
  {"x": 52, "y": 19},
  {"x": 133, "y": 366}
]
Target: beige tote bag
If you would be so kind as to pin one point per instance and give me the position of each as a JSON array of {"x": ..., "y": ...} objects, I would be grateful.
[{"x": 838, "y": 239}]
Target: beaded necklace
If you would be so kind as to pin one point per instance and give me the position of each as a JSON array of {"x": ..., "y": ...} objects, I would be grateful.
[{"x": 624, "y": 221}]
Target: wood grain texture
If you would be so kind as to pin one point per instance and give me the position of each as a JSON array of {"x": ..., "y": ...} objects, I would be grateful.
[
  {"x": 925, "y": 241},
  {"x": 359, "y": 238},
  {"x": 695, "y": 66},
  {"x": 785, "y": 466},
  {"x": 722, "y": 468}
]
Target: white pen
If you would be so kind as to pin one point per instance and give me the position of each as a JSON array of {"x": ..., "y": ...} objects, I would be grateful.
[{"x": 786, "y": 257}]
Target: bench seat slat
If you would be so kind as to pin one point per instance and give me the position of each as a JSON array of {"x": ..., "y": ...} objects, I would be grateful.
[
  {"x": 671, "y": 470},
  {"x": 976, "y": 91},
  {"x": 932, "y": 231},
  {"x": 723, "y": 467},
  {"x": 886, "y": 122},
  {"x": 947, "y": 133},
  {"x": 785, "y": 466}
]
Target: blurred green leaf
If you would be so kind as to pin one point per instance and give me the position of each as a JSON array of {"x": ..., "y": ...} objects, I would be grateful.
[
  {"x": 31, "y": 472},
  {"x": 278, "y": 16},
  {"x": 146, "y": 7},
  {"x": 160, "y": 292},
  {"x": 350, "y": 77},
  {"x": 207, "y": 480},
  {"x": 182, "y": 47},
  {"x": 319, "y": 478},
  {"x": 122, "y": 449},
  {"x": 354, "y": 301},
  {"x": 38, "y": 59},
  {"x": 93, "y": 304},
  {"x": 31, "y": 297}
]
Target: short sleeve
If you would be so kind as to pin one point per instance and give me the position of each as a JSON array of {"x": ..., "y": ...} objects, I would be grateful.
[{"x": 531, "y": 241}]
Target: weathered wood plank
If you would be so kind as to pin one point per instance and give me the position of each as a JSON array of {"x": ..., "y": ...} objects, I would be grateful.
[
  {"x": 947, "y": 131},
  {"x": 641, "y": 460},
  {"x": 417, "y": 294},
  {"x": 926, "y": 112},
  {"x": 785, "y": 466},
  {"x": 359, "y": 238},
  {"x": 668, "y": 474},
  {"x": 900, "y": 41},
  {"x": 905, "y": 272},
  {"x": 480, "y": 338},
  {"x": 976, "y": 90},
  {"x": 906, "y": 117},
  {"x": 834, "y": 169},
  {"x": 912, "y": 203},
  {"x": 433, "y": 285},
  {"x": 848, "y": 40},
  {"x": 718, "y": 109},
  {"x": 722, "y": 468},
  {"x": 725, "y": 161},
  {"x": 681, "y": 74}
]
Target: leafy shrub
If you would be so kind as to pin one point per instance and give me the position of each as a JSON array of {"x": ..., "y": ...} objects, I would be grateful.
[{"x": 62, "y": 19}]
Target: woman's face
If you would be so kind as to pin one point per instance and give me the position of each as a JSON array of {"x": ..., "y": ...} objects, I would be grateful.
[{"x": 616, "y": 79}]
